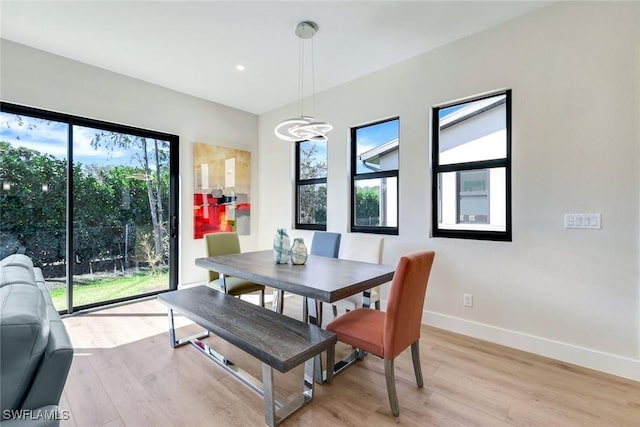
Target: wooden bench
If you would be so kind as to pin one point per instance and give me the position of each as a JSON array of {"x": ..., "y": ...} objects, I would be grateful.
[{"x": 276, "y": 340}]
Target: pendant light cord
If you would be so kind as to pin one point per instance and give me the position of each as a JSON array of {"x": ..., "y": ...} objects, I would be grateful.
[
  {"x": 313, "y": 79},
  {"x": 300, "y": 75}
]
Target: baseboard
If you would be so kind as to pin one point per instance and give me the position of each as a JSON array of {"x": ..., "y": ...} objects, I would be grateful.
[
  {"x": 191, "y": 285},
  {"x": 588, "y": 358}
]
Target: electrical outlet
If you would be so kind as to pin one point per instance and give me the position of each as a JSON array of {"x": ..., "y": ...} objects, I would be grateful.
[{"x": 468, "y": 300}]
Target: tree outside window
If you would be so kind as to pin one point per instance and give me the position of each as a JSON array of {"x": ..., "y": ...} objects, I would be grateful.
[
  {"x": 374, "y": 166},
  {"x": 311, "y": 185}
]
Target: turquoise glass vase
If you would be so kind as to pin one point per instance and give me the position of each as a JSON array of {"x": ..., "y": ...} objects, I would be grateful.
[{"x": 281, "y": 247}]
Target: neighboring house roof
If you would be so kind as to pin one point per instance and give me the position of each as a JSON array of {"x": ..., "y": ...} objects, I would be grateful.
[
  {"x": 471, "y": 110},
  {"x": 371, "y": 158}
]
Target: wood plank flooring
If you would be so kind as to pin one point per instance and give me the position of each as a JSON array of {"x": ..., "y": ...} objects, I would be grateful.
[{"x": 124, "y": 373}]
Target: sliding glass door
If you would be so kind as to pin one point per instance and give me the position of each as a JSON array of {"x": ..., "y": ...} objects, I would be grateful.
[
  {"x": 93, "y": 204},
  {"x": 33, "y": 208}
]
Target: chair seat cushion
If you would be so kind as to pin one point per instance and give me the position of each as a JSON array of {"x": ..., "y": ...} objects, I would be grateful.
[
  {"x": 355, "y": 301},
  {"x": 236, "y": 286},
  {"x": 362, "y": 328}
]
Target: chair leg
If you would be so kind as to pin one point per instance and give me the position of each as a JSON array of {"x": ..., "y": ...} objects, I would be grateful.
[
  {"x": 305, "y": 311},
  {"x": 319, "y": 313},
  {"x": 391, "y": 387},
  {"x": 335, "y": 311},
  {"x": 415, "y": 355},
  {"x": 280, "y": 302},
  {"x": 331, "y": 363},
  {"x": 377, "y": 305}
]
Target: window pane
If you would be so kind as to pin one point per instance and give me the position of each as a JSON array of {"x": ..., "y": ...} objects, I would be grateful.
[
  {"x": 33, "y": 175},
  {"x": 474, "y": 197},
  {"x": 377, "y": 147},
  {"x": 473, "y": 131},
  {"x": 312, "y": 207},
  {"x": 313, "y": 160},
  {"x": 120, "y": 216},
  {"x": 376, "y": 202},
  {"x": 472, "y": 200}
]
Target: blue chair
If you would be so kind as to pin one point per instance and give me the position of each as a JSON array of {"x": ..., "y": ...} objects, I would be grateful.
[{"x": 325, "y": 244}]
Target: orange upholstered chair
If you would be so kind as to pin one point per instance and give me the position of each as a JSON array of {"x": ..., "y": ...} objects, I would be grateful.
[{"x": 387, "y": 334}]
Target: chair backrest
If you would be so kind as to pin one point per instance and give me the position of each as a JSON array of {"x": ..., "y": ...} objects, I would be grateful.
[
  {"x": 325, "y": 243},
  {"x": 357, "y": 247},
  {"x": 225, "y": 243},
  {"x": 406, "y": 300}
]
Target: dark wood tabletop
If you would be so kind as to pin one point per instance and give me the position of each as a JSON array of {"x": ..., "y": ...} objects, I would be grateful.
[{"x": 321, "y": 278}]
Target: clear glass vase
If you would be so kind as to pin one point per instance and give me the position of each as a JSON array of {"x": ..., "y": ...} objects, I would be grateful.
[{"x": 298, "y": 252}]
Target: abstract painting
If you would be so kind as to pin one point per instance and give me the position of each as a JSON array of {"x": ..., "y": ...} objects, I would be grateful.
[{"x": 222, "y": 187}]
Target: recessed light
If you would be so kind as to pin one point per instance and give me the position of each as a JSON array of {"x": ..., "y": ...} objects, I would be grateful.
[{"x": 240, "y": 67}]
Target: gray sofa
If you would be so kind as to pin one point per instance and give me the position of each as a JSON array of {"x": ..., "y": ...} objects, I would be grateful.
[{"x": 35, "y": 350}]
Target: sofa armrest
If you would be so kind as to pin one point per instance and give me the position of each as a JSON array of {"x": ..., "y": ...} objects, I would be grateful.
[{"x": 54, "y": 368}]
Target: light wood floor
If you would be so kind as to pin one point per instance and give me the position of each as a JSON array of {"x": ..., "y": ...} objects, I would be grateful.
[{"x": 125, "y": 373}]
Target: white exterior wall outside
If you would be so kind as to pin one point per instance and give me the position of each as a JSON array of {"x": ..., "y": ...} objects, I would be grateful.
[{"x": 480, "y": 137}]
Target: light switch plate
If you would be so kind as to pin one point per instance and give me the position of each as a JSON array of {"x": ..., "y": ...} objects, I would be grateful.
[{"x": 583, "y": 220}]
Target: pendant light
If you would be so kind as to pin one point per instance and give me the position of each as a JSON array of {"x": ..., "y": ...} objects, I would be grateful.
[{"x": 304, "y": 127}]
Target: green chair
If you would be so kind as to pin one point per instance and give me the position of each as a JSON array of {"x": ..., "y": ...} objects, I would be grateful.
[{"x": 228, "y": 243}]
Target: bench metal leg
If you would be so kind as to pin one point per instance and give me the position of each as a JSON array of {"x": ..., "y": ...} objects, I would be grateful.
[
  {"x": 274, "y": 412},
  {"x": 182, "y": 341},
  {"x": 269, "y": 398}
]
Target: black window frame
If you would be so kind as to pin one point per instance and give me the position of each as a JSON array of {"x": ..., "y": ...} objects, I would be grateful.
[
  {"x": 505, "y": 236},
  {"x": 355, "y": 176},
  {"x": 174, "y": 194},
  {"x": 302, "y": 182}
]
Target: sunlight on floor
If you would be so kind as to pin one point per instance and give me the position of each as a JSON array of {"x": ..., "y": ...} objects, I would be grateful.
[{"x": 107, "y": 328}]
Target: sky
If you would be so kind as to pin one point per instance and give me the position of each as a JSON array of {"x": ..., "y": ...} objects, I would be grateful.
[
  {"x": 373, "y": 136},
  {"x": 448, "y": 110},
  {"x": 50, "y": 137}
]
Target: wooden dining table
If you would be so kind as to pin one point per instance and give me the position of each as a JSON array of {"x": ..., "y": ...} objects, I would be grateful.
[{"x": 319, "y": 280}]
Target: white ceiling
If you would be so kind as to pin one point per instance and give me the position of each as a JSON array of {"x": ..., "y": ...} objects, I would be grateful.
[{"x": 194, "y": 47}]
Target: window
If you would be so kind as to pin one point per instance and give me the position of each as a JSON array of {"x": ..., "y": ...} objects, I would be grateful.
[
  {"x": 471, "y": 160},
  {"x": 93, "y": 204},
  {"x": 311, "y": 185},
  {"x": 374, "y": 177}
]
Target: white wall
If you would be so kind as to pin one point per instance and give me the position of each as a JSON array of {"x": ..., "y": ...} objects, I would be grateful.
[
  {"x": 574, "y": 69},
  {"x": 39, "y": 79}
]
